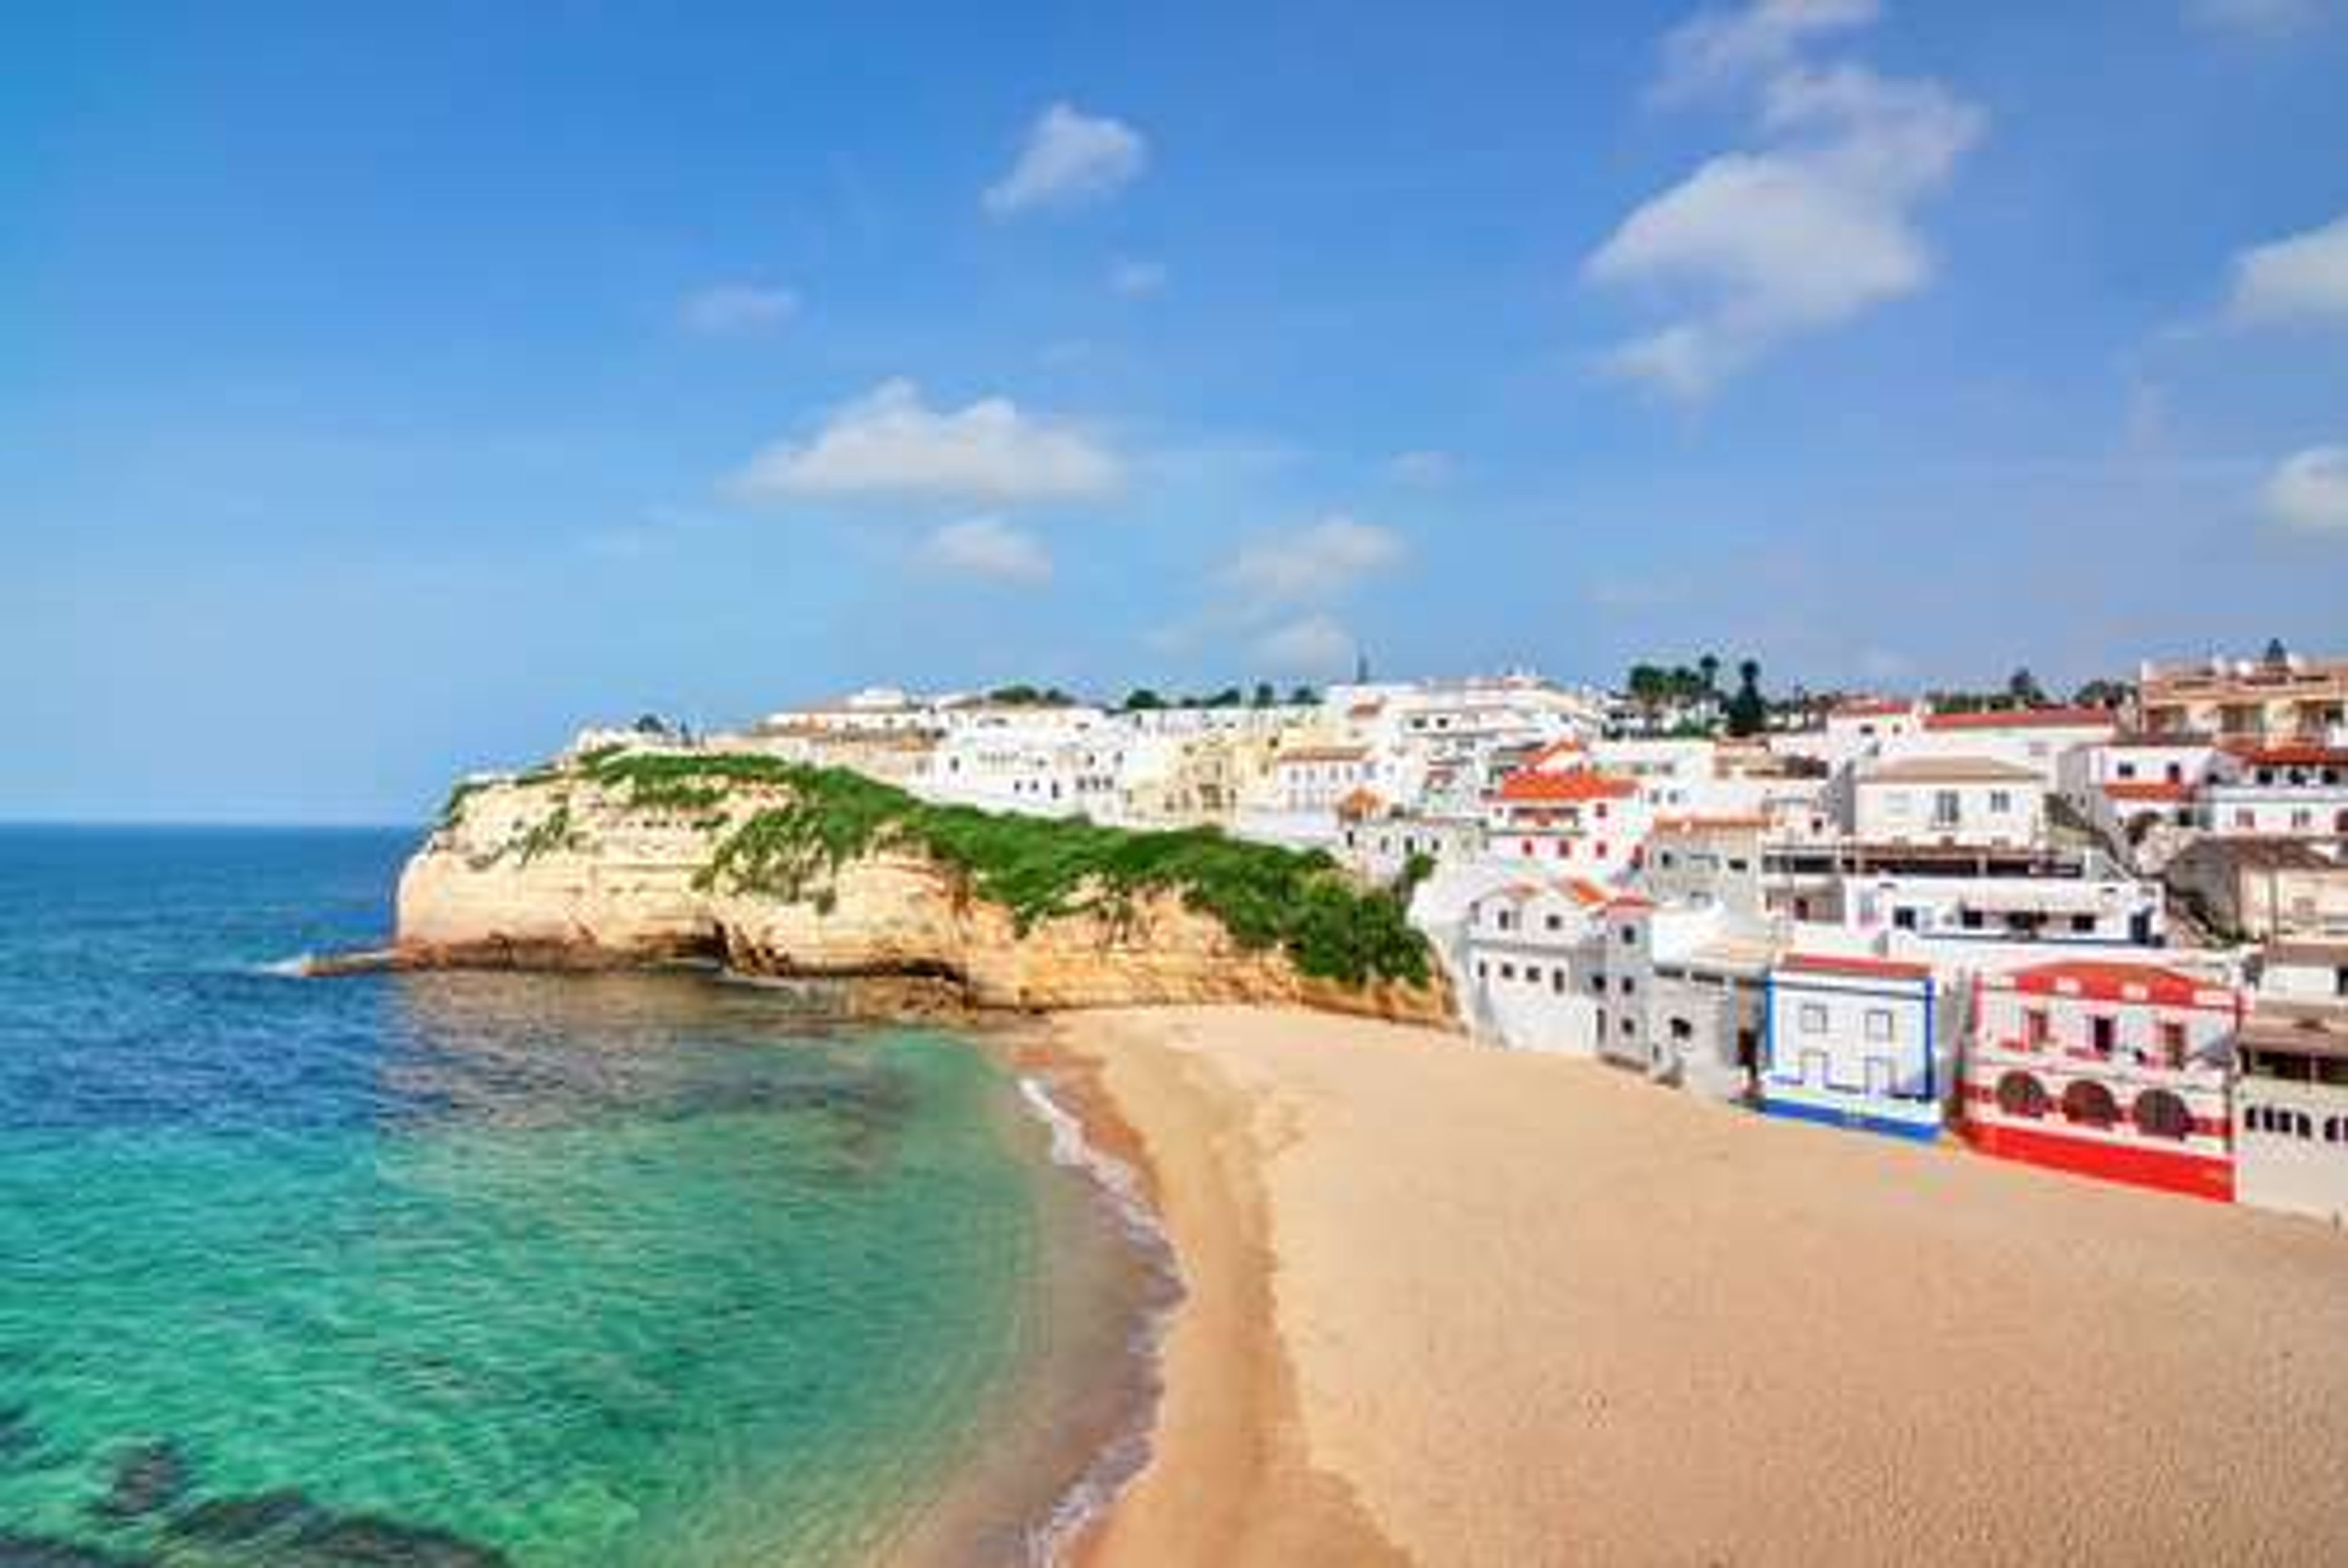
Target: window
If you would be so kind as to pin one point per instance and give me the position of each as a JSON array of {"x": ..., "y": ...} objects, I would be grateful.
[
  {"x": 2019, "y": 1094},
  {"x": 2102, "y": 1031},
  {"x": 2172, "y": 1043},
  {"x": 2090, "y": 1104},
  {"x": 2127, "y": 769},
  {"x": 1483, "y": 969},
  {"x": 1737, "y": 864},
  {"x": 1557, "y": 981},
  {"x": 1904, "y": 918},
  {"x": 2160, "y": 1114},
  {"x": 1629, "y": 1028},
  {"x": 1630, "y": 935},
  {"x": 1879, "y": 1023},
  {"x": 2000, "y": 801},
  {"x": 2034, "y": 1028},
  {"x": 1947, "y": 808},
  {"x": 1629, "y": 985},
  {"x": 2083, "y": 925},
  {"x": 1555, "y": 922},
  {"x": 1532, "y": 973},
  {"x": 1508, "y": 971},
  {"x": 1813, "y": 1018}
]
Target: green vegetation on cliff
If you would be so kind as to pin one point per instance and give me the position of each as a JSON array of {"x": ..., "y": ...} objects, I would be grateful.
[{"x": 1039, "y": 870}]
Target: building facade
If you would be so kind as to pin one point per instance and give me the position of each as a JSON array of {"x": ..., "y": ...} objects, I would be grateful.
[
  {"x": 2105, "y": 1068},
  {"x": 1855, "y": 1042}
]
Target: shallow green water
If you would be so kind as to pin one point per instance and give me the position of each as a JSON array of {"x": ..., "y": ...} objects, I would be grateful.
[{"x": 558, "y": 1270}]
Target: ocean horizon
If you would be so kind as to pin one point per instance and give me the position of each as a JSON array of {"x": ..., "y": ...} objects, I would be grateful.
[{"x": 468, "y": 1268}]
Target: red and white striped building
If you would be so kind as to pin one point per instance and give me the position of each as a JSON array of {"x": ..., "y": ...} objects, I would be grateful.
[{"x": 2105, "y": 1069}]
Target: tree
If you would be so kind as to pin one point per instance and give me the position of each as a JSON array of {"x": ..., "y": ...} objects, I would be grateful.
[
  {"x": 2277, "y": 654},
  {"x": 2102, "y": 693},
  {"x": 1228, "y": 697},
  {"x": 1304, "y": 697},
  {"x": 1142, "y": 699},
  {"x": 2023, "y": 688},
  {"x": 1748, "y": 711},
  {"x": 650, "y": 724},
  {"x": 1264, "y": 695},
  {"x": 1709, "y": 667}
]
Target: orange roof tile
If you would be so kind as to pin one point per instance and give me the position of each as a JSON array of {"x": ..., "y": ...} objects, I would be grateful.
[
  {"x": 2148, "y": 789},
  {"x": 1581, "y": 784}
]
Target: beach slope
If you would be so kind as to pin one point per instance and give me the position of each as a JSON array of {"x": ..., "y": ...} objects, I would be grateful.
[{"x": 1455, "y": 1305}]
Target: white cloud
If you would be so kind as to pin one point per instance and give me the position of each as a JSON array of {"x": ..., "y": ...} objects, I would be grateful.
[
  {"x": 2303, "y": 277},
  {"x": 2259, "y": 18},
  {"x": 736, "y": 310},
  {"x": 888, "y": 443},
  {"x": 1809, "y": 231},
  {"x": 1134, "y": 279},
  {"x": 2308, "y": 491},
  {"x": 1313, "y": 645},
  {"x": 1070, "y": 158},
  {"x": 987, "y": 547},
  {"x": 1425, "y": 467},
  {"x": 1716, "y": 49},
  {"x": 1314, "y": 564}
]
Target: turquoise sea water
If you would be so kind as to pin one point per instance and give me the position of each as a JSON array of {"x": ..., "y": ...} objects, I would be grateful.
[{"x": 466, "y": 1268}]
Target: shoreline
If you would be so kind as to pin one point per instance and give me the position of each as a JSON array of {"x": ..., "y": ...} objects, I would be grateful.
[{"x": 1452, "y": 1305}]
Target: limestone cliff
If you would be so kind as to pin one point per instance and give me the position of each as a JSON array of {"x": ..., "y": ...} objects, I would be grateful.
[{"x": 573, "y": 867}]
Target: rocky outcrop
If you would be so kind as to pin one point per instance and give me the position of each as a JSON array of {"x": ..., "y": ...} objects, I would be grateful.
[{"x": 561, "y": 872}]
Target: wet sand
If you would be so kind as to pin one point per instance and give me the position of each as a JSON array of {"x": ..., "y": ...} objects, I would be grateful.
[{"x": 1453, "y": 1306}]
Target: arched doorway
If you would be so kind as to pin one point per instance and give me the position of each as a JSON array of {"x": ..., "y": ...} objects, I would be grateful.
[
  {"x": 2019, "y": 1095},
  {"x": 2160, "y": 1114},
  {"x": 2090, "y": 1104}
]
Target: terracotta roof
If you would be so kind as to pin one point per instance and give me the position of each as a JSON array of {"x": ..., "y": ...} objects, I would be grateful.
[
  {"x": 1585, "y": 892},
  {"x": 2148, "y": 789},
  {"x": 1567, "y": 747},
  {"x": 2105, "y": 979},
  {"x": 2026, "y": 719},
  {"x": 1361, "y": 802},
  {"x": 2295, "y": 755},
  {"x": 1583, "y": 783},
  {"x": 1841, "y": 964},
  {"x": 1871, "y": 708},
  {"x": 1948, "y": 770}
]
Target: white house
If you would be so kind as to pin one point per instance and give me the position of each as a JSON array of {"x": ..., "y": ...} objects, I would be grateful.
[
  {"x": 2290, "y": 1108},
  {"x": 1531, "y": 949},
  {"x": 2297, "y": 791},
  {"x": 1572, "y": 819},
  {"x": 1857, "y": 1043},
  {"x": 1947, "y": 801}
]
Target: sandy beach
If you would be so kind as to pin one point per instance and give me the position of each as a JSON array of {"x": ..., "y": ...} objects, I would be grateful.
[{"x": 1453, "y": 1306}]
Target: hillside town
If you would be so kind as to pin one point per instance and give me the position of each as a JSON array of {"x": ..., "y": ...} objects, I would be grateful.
[{"x": 2107, "y": 937}]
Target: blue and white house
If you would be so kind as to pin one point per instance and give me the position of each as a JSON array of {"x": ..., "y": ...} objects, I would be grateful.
[{"x": 1854, "y": 1042}]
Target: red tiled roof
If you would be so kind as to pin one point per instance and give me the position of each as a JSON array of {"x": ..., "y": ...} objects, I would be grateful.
[
  {"x": 2294, "y": 755},
  {"x": 2026, "y": 719},
  {"x": 1838, "y": 964},
  {"x": 1871, "y": 708},
  {"x": 1583, "y": 783},
  {"x": 2106, "y": 980},
  {"x": 1550, "y": 753},
  {"x": 1584, "y": 891},
  {"x": 2148, "y": 789}
]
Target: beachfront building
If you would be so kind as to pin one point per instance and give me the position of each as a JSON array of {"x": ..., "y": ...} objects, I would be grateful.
[
  {"x": 1958, "y": 800},
  {"x": 2290, "y": 1108},
  {"x": 2263, "y": 888},
  {"x": 1035, "y": 761},
  {"x": 2106, "y": 1069},
  {"x": 1680, "y": 990},
  {"x": 1855, "y": 1042},
  {"x": 1690, "y": 859},
  {"x": 1534, "y": 959},
  {"x": 2267, "y": 701}
]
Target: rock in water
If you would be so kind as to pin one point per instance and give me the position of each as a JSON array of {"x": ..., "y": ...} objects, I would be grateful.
[
  {"x": 287, "y": 1529},
  {"x": 146, "y": 1479},
  {"x": 40, "y": 1552}
]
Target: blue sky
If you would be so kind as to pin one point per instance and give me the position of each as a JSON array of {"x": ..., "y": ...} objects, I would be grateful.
[{"x": 384, "y": 391}]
